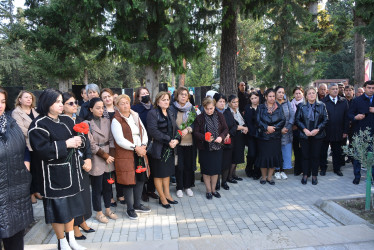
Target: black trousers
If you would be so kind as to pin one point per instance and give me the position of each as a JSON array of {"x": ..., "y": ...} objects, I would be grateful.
[
  {"x": 311, "y": 150},
  {"x": 15, "y": 242},
  {"x": 337, "y": 155},
  {"x": 149, "y": 185},
  {"x": 119, "y": 190},
  {"x": 132, "y": 194},
  {"x": 100, "y": 186},
  {"x": 298, "y": 155},
  {"x": 184, "y": 172},
  {"x": 250, "y": 169}
]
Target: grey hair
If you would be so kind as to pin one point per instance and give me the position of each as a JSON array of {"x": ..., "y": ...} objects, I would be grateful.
[
  {"x": 333, "y": 85},
  {"x": 322, "y": 84},
  {"x": 93, "y": 87}
]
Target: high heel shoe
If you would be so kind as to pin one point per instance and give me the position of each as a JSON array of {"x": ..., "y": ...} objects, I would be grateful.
[
  {"x": 172, "y": 202},
  {"x": 304, "y": 180},
  {"x": 167, "y": 206},
  {"x": 90, "y": 230}
]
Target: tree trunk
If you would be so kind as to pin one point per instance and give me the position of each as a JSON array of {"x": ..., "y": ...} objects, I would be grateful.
[
  {"x": 85, "y": 80},
  {"x": 359, "y": 78},
  {"x": 63, "y": 85},
  {"x": 228, "y": 61},
  {"x": 173, "y": 79},
  {"x": 152, "y": 77},
  {"x": 182, "y": 77}
]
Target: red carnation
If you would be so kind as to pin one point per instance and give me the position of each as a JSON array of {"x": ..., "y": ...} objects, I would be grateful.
[
  {"x": 180, "y": 132},
  {"x": 208, "y": 136},
  {"x": 82, "y": 128},
  {"x": 110, "y": 180}
]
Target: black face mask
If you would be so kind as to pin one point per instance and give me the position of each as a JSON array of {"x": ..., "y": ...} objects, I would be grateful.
[{"x": 145, "y": 99}]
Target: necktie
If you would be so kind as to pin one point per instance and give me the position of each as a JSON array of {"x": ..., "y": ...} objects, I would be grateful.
[{"x": 333, "y": 99}]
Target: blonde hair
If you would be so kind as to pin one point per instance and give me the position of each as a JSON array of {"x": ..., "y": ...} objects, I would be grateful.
[
  {"x": 307, "y": 90},
  {"x": 208, "y": 100},
  {"x": 159, "y": 96},
  {"x": 121, "y": 97},
  {"x": 17, "y": 102}
]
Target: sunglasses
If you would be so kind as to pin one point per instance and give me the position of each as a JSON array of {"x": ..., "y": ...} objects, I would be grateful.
[{"x": 72, "y": 103}]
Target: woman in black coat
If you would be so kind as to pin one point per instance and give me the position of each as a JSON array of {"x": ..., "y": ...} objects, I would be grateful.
[
  {"x": 250, "y": 114},
  {"x": 163, "y": 135},
  {"x": 227, "y": 144},
  {"x": 210, "y": 146},
  {"x": 56, "y": 146},
  {"x": 15, "y": 206},
  {"x": 270, "y": 121},
  {"x": 311, "y": 119}
]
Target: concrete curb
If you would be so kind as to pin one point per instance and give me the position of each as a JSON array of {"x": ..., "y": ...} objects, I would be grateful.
[{"x": 340, "y": 213}]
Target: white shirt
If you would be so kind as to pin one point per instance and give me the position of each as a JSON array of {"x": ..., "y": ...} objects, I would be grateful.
[
  {"x": 121, "y": 140},
  {"x": 334, "y": 99}
]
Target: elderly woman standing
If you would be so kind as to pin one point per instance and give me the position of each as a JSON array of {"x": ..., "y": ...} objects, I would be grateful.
[
  {"x": 270, "y": 121},
  {"x": 186, "y": 162},
  {"x": 238, "y": 139},
  {"x": 142, "y": 105},
  {"x": 92, "y": 91},
  {"x": 162, "y": 128},
  {"x": 101, "y": 140},
  {"x": 24, "y": 113},
  {"x": 210, "y": 147},
  {"x": 311, "y": 119},
  {"x": 287, "y": 133},
  {"x": 70, "y": 109},
  {"x": 130, "y": 144},
  {"x": 15, "y": 206},
  {"x": 56, "y": 146}
]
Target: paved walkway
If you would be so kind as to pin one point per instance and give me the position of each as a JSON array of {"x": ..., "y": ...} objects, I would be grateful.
[{"x": 248, "y": 208}]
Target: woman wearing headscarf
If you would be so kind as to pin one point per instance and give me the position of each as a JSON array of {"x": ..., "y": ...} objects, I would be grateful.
[
  {"x": 311, "y": 119},
  {"x": 270, "y": 121},
  {"x": 15, "y": 206}
]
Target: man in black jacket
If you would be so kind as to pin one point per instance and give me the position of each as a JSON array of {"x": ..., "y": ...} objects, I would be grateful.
[
  {"x": 336, "y": 129},
  {"x": 361, "y": 113},
  {"x": 243, "y": 97}
]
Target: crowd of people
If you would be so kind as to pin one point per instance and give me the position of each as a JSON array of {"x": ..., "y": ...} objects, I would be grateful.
[{"x": 70, "y": 154}]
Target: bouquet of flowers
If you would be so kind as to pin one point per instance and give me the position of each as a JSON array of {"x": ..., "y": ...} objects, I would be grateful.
[
  {"x": 168, "y": 150},
  {"x": 82, "y": 129},
  {"x": 140, "y": 168}
]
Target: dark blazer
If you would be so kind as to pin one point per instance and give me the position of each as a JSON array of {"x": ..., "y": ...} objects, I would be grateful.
[
  {"x": 320, "y": 121},
  {"x": 200, "y": 129},
  {"x": 231, "y": 125},
  {"x": 243, "y": 100},
  {"x": 338, "y": 122},
  {"x": 142, "y": 111},
  {"x": 85, "y": 112},
  {"x": 361, "y": 105},
  {"x": 250, "y": 115},
  {"x": 264, "y": 119},
  {"x": 157, "y": 130},
  {"x": 15, "y": 204}
]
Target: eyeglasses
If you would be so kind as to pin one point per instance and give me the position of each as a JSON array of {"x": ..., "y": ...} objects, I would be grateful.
[{"x": 72, "y": 103}]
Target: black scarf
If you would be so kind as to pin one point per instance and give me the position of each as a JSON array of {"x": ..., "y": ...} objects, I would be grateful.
[{"x": 212, "y": 125}]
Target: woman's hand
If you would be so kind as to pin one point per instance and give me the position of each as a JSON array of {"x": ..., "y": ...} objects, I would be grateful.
[
  {"x": 27, "y": 165},
  {"x": 284, "y": 130},
  {"x": 140, "y": 151},
  {"x": 173, "y": 143},
  {"x": 184, "y": 132},
  {"x": 307, "y": 132},
  {"x": 87, "y": 165},
  {"x": 271, "y": 129},
  {"x": 78, "y": 140},
  {"x": 314, "y": 132},
  {"x": 71, "y": 143},
  {"x": 110, "y": 159},
  {"x": 245, "y": 130},
  {"x": 218, "y": 140}
]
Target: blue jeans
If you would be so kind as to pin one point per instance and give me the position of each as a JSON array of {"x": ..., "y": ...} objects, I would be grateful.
[
  {"x": 357, "y": 170},
  {"x": 287, "y": 156}
]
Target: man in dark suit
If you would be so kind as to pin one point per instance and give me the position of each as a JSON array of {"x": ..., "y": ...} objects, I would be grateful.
[
  {"x": 243, "y": 97},
  {"x": 336, "y": 129},
  {"x": 361, "y": 113}
]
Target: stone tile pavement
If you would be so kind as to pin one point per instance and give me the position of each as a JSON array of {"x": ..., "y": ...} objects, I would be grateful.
[{"x": 248, "y": 208}]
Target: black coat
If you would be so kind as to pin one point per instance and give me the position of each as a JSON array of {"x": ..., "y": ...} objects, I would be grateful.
[
  {"x": 338, "y": 122},
  {"x": 85, "y": 112},
  {"x": 264, "y": 119},
  {"x": 243, "y": 100},
  {"x": 59, "y": 178},
  {"x": 360, "y": 105},
  {"x": 231, "y": 125},
  {"x": 142, "y": 111},
  {"x": 320, "y": 119},
  {"x": 157, "y": 130},
  {"x": 250, "y": 116},
  {"x": 15, "y": 204}
]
